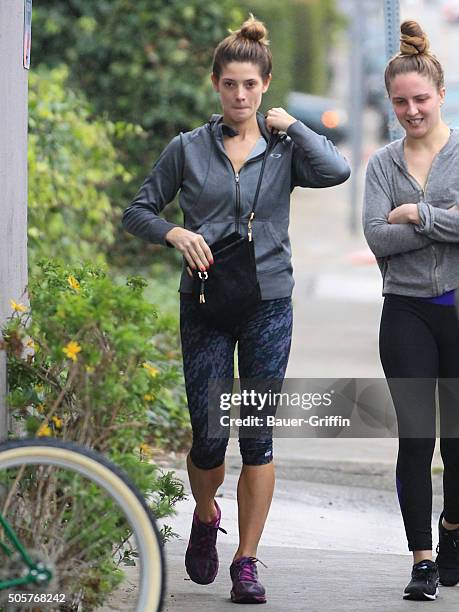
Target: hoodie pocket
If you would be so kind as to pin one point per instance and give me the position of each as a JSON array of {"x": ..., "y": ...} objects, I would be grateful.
[{"x": 269, "y": 251}]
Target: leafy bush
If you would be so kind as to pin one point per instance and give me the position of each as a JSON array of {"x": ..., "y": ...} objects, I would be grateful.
[
  {"x": 96, "y": 365},
  {"x": 147, "y": 62},
  {"x": 72, "y": 160},
  {"x": 97, "y": 356}
]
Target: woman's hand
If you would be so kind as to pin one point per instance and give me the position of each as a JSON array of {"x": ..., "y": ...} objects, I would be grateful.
[
  {"x": 192, "y": 246},
  {"x": 406, "y": 213},
  {"x": 279, "y": 119}
]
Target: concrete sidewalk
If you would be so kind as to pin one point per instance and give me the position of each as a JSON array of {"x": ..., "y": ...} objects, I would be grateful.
[
  {"x": 307, "y": 580},
  {"x": 334, "y": 541}
]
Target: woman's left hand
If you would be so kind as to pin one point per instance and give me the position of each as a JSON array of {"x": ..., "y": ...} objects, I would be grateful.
[
  {"x": 406, "y": 213},
  {"x": 279, "y": 119}
]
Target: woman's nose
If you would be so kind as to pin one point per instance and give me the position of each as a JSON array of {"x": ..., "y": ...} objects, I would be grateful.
[
  {"x": 240, "y": 94},
  {"x": 412, "y": 109}
]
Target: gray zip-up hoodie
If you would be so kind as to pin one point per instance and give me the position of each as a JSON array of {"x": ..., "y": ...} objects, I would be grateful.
[
  {"x": 217, "y": 201},
  {"x": 415, "y": 260}
]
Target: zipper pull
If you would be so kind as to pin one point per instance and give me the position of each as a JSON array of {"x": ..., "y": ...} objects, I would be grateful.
[
  {"x": 249, "y": 226},
  {"x": 236, "y": 177},
  {"x": 203, "y": 276}
]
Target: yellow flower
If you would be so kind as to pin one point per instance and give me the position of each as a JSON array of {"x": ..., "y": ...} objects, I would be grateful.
[
  {"x": 148, "y": 398},
  {"x": 151, "y": 370},
  {"x": 57, "y": 421},
  {"x": 73, "y": 283},
  {"x": 90, "y": 369},
  {"x": 18, "y": 307},
  {"x": 72, "y": 349},
  {"x": 146, "y": 450},
  {"x": 41, "y": 408},
  {"x": 44, "y": 430},
  {"x": 31, "y": 344}
]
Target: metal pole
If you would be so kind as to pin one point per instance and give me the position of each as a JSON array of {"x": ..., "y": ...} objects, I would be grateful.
[
  {"x": 392, "y": 34},
  {"x": 356, "y": 108},
  {"x": 13, "y": 170}
]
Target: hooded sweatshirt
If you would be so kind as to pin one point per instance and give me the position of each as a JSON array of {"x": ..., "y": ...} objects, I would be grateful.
[
  {"x": 415, "y": 260},
  {"x": 216, "y": 200}
]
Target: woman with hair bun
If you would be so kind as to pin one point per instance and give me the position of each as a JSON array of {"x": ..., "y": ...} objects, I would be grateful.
[
  {"x": 411, "y": 223},
  {"x": 216, "y": 169}
]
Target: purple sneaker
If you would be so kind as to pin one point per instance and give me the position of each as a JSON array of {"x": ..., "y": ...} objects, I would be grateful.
[
  {"x": 246, "y": 587},
  {"x": 201, "y": 558}
]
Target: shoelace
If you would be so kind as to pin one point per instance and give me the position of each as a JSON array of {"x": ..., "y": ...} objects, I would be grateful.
[
  {"x": 205, "y": 536},
  {"x": 248, "y": 570},
  {"x": 420, "y": 572}
]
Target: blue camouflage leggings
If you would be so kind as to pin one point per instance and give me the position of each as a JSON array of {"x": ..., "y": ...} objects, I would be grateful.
[{"x": 263, "y": 338}]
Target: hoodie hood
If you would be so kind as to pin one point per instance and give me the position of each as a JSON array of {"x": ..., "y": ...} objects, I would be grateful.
[
  {"x": 216, "y": 124},
  {"x": 396, "y": 148}
]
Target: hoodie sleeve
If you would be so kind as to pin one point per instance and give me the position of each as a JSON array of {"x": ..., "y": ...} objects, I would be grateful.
[
  {"x": 141, "y": 218},
  {"x": 385, "y": 238},
  {"x": 316, "y": 161},
  {"x": 438, "y": 223}
]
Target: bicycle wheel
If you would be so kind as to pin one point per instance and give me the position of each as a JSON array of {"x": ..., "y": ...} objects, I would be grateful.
[{"x": 77, "y": 514}]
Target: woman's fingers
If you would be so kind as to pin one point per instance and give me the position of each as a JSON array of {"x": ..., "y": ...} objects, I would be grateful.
[
  {"x": 197, "y": 252},
  {"x": 192, "y": 246}
]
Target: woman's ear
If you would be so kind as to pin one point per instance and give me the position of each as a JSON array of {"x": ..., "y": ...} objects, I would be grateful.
[
  {"x": 442, "y": 92},
  {"x": 214, "y": 80},
  {"x": 266, "y": 82}
]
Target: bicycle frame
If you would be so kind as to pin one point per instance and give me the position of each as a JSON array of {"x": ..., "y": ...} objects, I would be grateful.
[{"x": 38, "y": 572}]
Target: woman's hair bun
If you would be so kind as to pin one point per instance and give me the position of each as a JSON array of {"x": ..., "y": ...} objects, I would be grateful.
[
  {"x": 255, "y": 30},
  {"x": 413, "y": 40}
]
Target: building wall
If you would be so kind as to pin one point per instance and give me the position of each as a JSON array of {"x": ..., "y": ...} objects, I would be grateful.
[{"x": 13, "y": 171}]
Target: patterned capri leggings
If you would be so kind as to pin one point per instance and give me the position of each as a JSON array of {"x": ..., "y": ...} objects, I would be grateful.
[{"x": 263, "y": 338}]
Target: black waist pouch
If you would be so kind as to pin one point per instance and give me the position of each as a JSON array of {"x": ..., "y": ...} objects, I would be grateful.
[{"x": 229, "y": 289}]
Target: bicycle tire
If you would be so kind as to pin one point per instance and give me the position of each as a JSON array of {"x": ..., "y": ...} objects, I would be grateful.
[{"x": 99, "y": 470}]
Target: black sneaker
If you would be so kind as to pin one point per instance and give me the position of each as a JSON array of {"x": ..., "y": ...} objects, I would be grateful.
[
  {"x": 448, "y": 555},
  {"x": 424, "y": 582}
]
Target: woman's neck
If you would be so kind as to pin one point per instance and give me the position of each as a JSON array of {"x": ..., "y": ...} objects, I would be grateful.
[
  {"x": 245, "y": 129},
  {"x": 432, "y": 142}
]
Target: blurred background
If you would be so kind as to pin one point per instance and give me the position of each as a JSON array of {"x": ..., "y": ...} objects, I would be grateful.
[{"x": 111, "y": 82}]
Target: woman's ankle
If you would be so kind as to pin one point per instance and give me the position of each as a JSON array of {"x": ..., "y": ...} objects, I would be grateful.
[{"x": 421, "y": 555}]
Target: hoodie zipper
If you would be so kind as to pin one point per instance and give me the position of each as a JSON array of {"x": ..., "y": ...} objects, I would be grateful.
[
  {"x": 238, "y": 200},
  {"x": 432, "y": 246},
  {"x": 238, "y": 187}
]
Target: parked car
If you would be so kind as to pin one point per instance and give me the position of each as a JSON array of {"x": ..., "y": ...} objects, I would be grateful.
[{"x": 323, "y": 115}]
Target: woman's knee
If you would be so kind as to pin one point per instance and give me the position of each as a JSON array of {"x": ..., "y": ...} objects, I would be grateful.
[
  {"x": 206, "y": 455},
  {"x": 256, "y": 452}
]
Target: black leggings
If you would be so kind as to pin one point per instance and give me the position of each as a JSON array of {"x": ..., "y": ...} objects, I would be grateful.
[
  {"x": 420, "y": 340},
  {"x": 263, "y": 340}
]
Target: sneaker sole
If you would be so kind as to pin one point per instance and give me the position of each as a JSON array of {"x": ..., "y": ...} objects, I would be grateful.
[
  {"x": 420, "y": 596},
  {"x": 199, "y": 579},
  {"x": 248, "y": 599}
]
